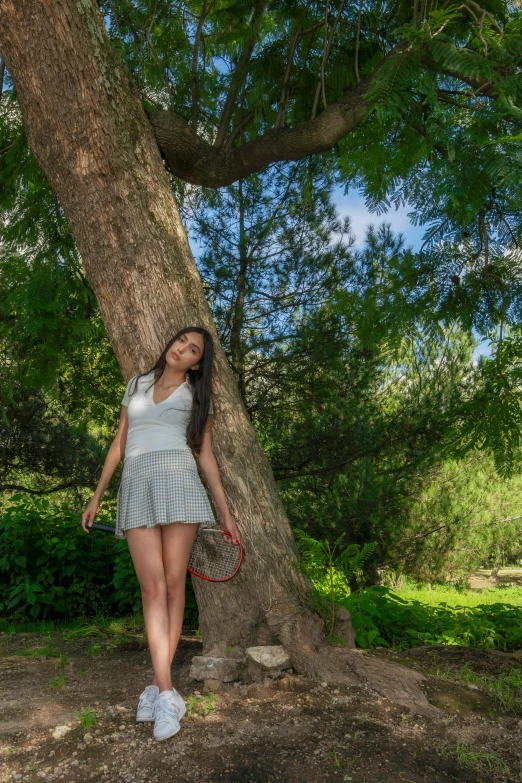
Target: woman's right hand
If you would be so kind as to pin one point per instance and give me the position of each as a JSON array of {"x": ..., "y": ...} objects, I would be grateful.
[{"x": 89, "y": 514}]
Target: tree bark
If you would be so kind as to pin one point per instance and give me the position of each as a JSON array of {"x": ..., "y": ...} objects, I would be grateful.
[
  {"x": 87, "y": 128},
  {"x": 195, "y": 160}
]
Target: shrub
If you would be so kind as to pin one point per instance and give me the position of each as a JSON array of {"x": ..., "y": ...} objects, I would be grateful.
[
  {"x": 51, "y": 569},
  {"x": 381, "y": 617}
]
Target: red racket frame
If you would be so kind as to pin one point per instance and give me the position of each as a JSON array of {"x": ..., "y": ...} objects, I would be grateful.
[{"x": 226, "y": 578}]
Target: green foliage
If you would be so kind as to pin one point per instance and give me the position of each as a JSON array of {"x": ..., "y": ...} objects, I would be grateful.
[
  {"x": 198, "y": 705},
  {"x": 51, "y": 569},
  {"x": 86, "y": 717},
  {"x": 329, "y": 572},
  {"x": 409, "y": 618},
  {"x": 382, "y": 617},
  {"x": 444, "y": 86},
  {"x": 465, "y": 516}
]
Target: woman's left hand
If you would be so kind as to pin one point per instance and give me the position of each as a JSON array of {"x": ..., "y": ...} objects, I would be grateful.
[{"x": 228, "y": 523}]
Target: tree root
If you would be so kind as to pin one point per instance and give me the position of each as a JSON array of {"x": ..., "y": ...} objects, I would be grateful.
[
  {"x": 395, "y": 682},
  {"x": 302, "y": 635}
]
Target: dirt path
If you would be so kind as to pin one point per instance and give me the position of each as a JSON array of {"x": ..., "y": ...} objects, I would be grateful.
[
  {"x": 297, "y": 733},
  {"x": 482, "y": 578}
]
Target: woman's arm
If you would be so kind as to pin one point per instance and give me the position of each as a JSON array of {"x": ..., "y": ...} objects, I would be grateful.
[{"x": 209, "y": 467}]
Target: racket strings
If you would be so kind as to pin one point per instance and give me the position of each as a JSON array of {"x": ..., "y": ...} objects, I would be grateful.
[{"x": 214, "y": 557}]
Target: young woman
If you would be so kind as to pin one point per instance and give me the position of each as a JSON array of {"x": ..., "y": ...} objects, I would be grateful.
[{"x": 166, "y": 415}]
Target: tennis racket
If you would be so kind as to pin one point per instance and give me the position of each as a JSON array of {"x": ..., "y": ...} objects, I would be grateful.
[{"x": 213, "y": 556}]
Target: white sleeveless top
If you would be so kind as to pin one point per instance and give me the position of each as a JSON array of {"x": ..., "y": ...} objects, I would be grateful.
[{"x": 157, "y": 426}]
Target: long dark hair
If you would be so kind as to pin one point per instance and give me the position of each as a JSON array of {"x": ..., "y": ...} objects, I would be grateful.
[{"x": 200, "y": 381}]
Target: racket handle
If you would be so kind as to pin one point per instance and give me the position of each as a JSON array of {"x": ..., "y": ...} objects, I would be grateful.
[{"x": 100, "y": 526}]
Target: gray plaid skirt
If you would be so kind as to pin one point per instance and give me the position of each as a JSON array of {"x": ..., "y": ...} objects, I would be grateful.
[{"x": 160, "y": 487}]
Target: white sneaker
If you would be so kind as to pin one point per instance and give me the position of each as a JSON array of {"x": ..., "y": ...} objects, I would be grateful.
[
  {"x": 146, "y": 703},
  {"x": 167, "y": 713},
  {"x": 180, "y": 704}
]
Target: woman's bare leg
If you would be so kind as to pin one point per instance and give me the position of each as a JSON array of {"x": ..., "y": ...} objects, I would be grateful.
[
  {"x": 146, "y": 548},
  {"x": 178, "y": 539}
]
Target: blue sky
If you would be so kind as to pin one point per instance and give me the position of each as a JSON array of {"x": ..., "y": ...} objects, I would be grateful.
[{"x": 353, "y": 205}]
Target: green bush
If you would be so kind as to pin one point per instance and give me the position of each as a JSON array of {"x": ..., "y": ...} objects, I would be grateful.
[
  {"x": 51, "y": 569},
  {"x": 381, "y": 617}
]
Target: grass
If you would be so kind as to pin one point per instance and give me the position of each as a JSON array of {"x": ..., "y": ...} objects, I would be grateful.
[
  {"x": 474, "y": 759},
  {"x": 77, "y": 627},
  {"x": 439, "y": 595},
  {"x": 401, "y": 618},
  {"x": 409, "y": 617},
  {"x": 506, "y": 687}
]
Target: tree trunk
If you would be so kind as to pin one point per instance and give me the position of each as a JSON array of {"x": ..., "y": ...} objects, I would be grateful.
[
  {"x": 496, "y": 564},
  {"x": 86, "y": 126}
]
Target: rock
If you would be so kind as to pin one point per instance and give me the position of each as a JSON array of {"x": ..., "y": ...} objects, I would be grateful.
[
  {"x": 87, "y": 737},
  {"x": 269, "y": 657},
  {"x": 212, "y": 686},
  {"x": 59, "y": 731},
  {"x": 223, "y": 669},
  {"x": 265, "y": 661}
]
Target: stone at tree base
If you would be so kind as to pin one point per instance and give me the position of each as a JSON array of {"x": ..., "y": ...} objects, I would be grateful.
[
  {"x": 223, "y": 669},
  {"x": 212, "y": 686},
  {"x": 269, "y": 656},
  {"x": 265, "y": 661}
]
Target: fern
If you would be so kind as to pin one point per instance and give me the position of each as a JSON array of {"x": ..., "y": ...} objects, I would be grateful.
[{"x": 329, "y": 570}]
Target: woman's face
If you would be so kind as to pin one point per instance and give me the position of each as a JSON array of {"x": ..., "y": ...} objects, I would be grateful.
[{"x": 185, "y": 352}]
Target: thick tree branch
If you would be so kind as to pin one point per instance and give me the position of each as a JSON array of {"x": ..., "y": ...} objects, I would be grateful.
[{"x": 196, "y": 161}]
